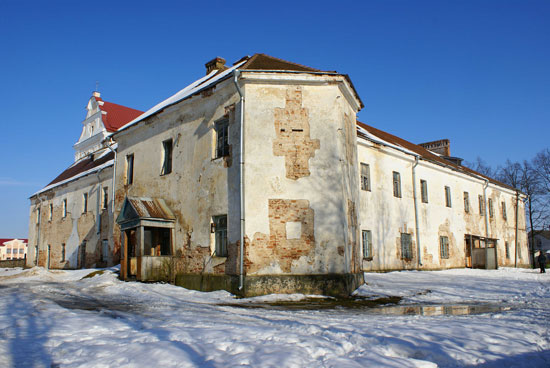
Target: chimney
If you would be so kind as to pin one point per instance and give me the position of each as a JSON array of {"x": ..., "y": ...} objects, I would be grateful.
[
  {"x": 217, "y": 63},
  {"x": 442, "y": 147},
  {"x": 96, "y": 94}
]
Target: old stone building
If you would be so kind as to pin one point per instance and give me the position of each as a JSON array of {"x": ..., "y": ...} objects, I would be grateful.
[
  {"x": 71, "y": 219},
  {"x": 257, "y": 178}
]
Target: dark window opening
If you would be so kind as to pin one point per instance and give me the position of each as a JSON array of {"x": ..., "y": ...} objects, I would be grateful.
[
  {"x": 424, "y": 190},
  {"x": 365, "y": 177},
  {"x": 167, "y": 164},
  {"x": 220, "y": 230},
  {"x": 105, "y": 198},
  {"x": 63, "y": 252},
  {"x": 406, "y": 246},
  {"x": 222, "y": 138},
  {"x": 156, "y": 241},
  {"x": 85, "y": 204},
  {"x": 130, "y": 169}
]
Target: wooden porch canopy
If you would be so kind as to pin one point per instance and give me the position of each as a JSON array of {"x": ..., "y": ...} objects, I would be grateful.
[{"x": 144, "y": 211}]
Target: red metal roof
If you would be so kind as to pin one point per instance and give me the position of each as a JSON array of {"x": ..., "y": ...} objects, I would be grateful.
[
  {"x": 83, "y": 165},
  {"x": 116, "y": 115},
  {"x": 2, "y": 241}
]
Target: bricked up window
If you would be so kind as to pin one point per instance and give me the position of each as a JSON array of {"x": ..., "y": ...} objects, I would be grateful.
[
  {"x": 85, "y": 202},
  {"x": 406, "y": 246},
  {"x": 444, "y": 247},
  {"x": 448, "y": 196},
  {"x": 365, "y": 177},
  {"x": 167, "y": 159},
  {"x": 367, "y": 244},
  {"x": 220, "y": 229},
  {"x": 466, "y": 202},
  {"x": 481, "y": 206},
  {"x": 130, "y": 169},
  {"x": 222, "y": 138},
  {"x": 396, "y": 184},
  {"x": 424, "y": 190}
]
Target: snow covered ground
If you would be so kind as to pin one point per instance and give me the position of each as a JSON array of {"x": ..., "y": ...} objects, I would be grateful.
[{"x": 58, "y": 319}]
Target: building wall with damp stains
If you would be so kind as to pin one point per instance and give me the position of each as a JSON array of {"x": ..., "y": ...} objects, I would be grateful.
[
  {"x": 77, "y": 227},
  {"x": 387, "y": 216}
]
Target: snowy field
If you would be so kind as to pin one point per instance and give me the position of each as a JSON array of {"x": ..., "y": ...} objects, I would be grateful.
[{"x": 58, "y": 319}]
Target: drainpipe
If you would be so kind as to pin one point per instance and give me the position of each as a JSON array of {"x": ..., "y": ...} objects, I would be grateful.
[
  {"x": 114, "y": 179},
  {"x": 39, "y": 225},
  {"x": 417, "y": 226},
  {"x": 241, "y": 177},
  {"x": 516, "y": 245},
  {"x": 486, "y": 224}
]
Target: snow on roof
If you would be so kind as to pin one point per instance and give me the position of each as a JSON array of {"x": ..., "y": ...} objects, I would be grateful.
[{"x": 205, "y": 82}]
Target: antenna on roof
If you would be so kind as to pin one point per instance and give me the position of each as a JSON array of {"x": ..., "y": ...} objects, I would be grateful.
[{"x": 96, "y": 86}]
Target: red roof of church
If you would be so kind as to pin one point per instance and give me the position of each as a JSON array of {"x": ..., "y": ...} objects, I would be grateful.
[{"x": 116, "y": 115}]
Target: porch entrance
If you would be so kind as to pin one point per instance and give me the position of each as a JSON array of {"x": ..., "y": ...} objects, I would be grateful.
[
  {"x": 480, "y": 252},
  {"x": 147, "y": 227}
]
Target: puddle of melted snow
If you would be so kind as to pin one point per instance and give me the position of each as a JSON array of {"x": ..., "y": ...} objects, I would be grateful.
[{"x": 382, "y": 306}]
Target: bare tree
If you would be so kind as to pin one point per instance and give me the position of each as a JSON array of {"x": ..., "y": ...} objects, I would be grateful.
[{"x": 481, "y": 167}]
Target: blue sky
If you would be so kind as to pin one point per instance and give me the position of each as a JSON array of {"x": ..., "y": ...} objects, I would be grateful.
[{"x": 475, "y": 72}]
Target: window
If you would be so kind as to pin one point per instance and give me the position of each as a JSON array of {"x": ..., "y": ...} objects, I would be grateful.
[
  {"x": 466, "y": 202},
  {"x": 507, "y": 249},
  {"x": 367, "y": 244},
  {"x": 130, "y": 169},
  {"x": 504, "y": 216},
  {"x": 490, "y": 204},
  {"x": 222, "y": 143},
  {"x": 8, "y": 250},
  {"x": 406, "y": 246},
  {"x": 21, "y": 250},
  {"x": 365, "y": 177},
  {"x": 424, "y": 190},
  {"x": 104, "y": 250},
  {"x": 519, "y": 251},
  {"x": 396, "y": 184},
  {"x": 38, "y": 215},
  {"x": 481, "y": 207},
  {"x": 105, "y": 197},
  {"x": 444, "y": 247},
  {"x": 64, "y": 208},
  {"x": 448, "y": 196},
  {"x": 51, "y": 211},
  {"x": 220, "y": 229},
  {"x": 36, "y": 254},
  {"x": 167, "y": 161},
  {"x": 85, "y": 205},
  {"x": 63, "y": 252}
]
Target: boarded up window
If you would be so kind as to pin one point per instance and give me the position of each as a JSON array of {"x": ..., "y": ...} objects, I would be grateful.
[
  {"x": 406, "y": 246},
  {"x": 220, "y": 225},
  {"x": 396, "y": 184},
  {"x": 444, "y": 247},
  {"x": 365, "y": 177},
  {"x": 367, "y": 244},
  {"x": 466, "y": 202},
  {"x": 424, "y": 190},
  {"x": 448, "y": 196}
]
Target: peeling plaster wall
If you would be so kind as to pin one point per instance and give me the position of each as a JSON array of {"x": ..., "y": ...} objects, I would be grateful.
[
  {"x": 75, "y": 228},
  {"x": 300, "y": 165},
  {"x": 200, "y": 186},
  {"x": 387, "y": 216}
]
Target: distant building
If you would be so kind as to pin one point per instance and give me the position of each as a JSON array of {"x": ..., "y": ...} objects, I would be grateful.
[
  {"x": 541, "y": 241},
  {"x": 257, "y": 178},
  {"x": 13, "y": 249}
]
